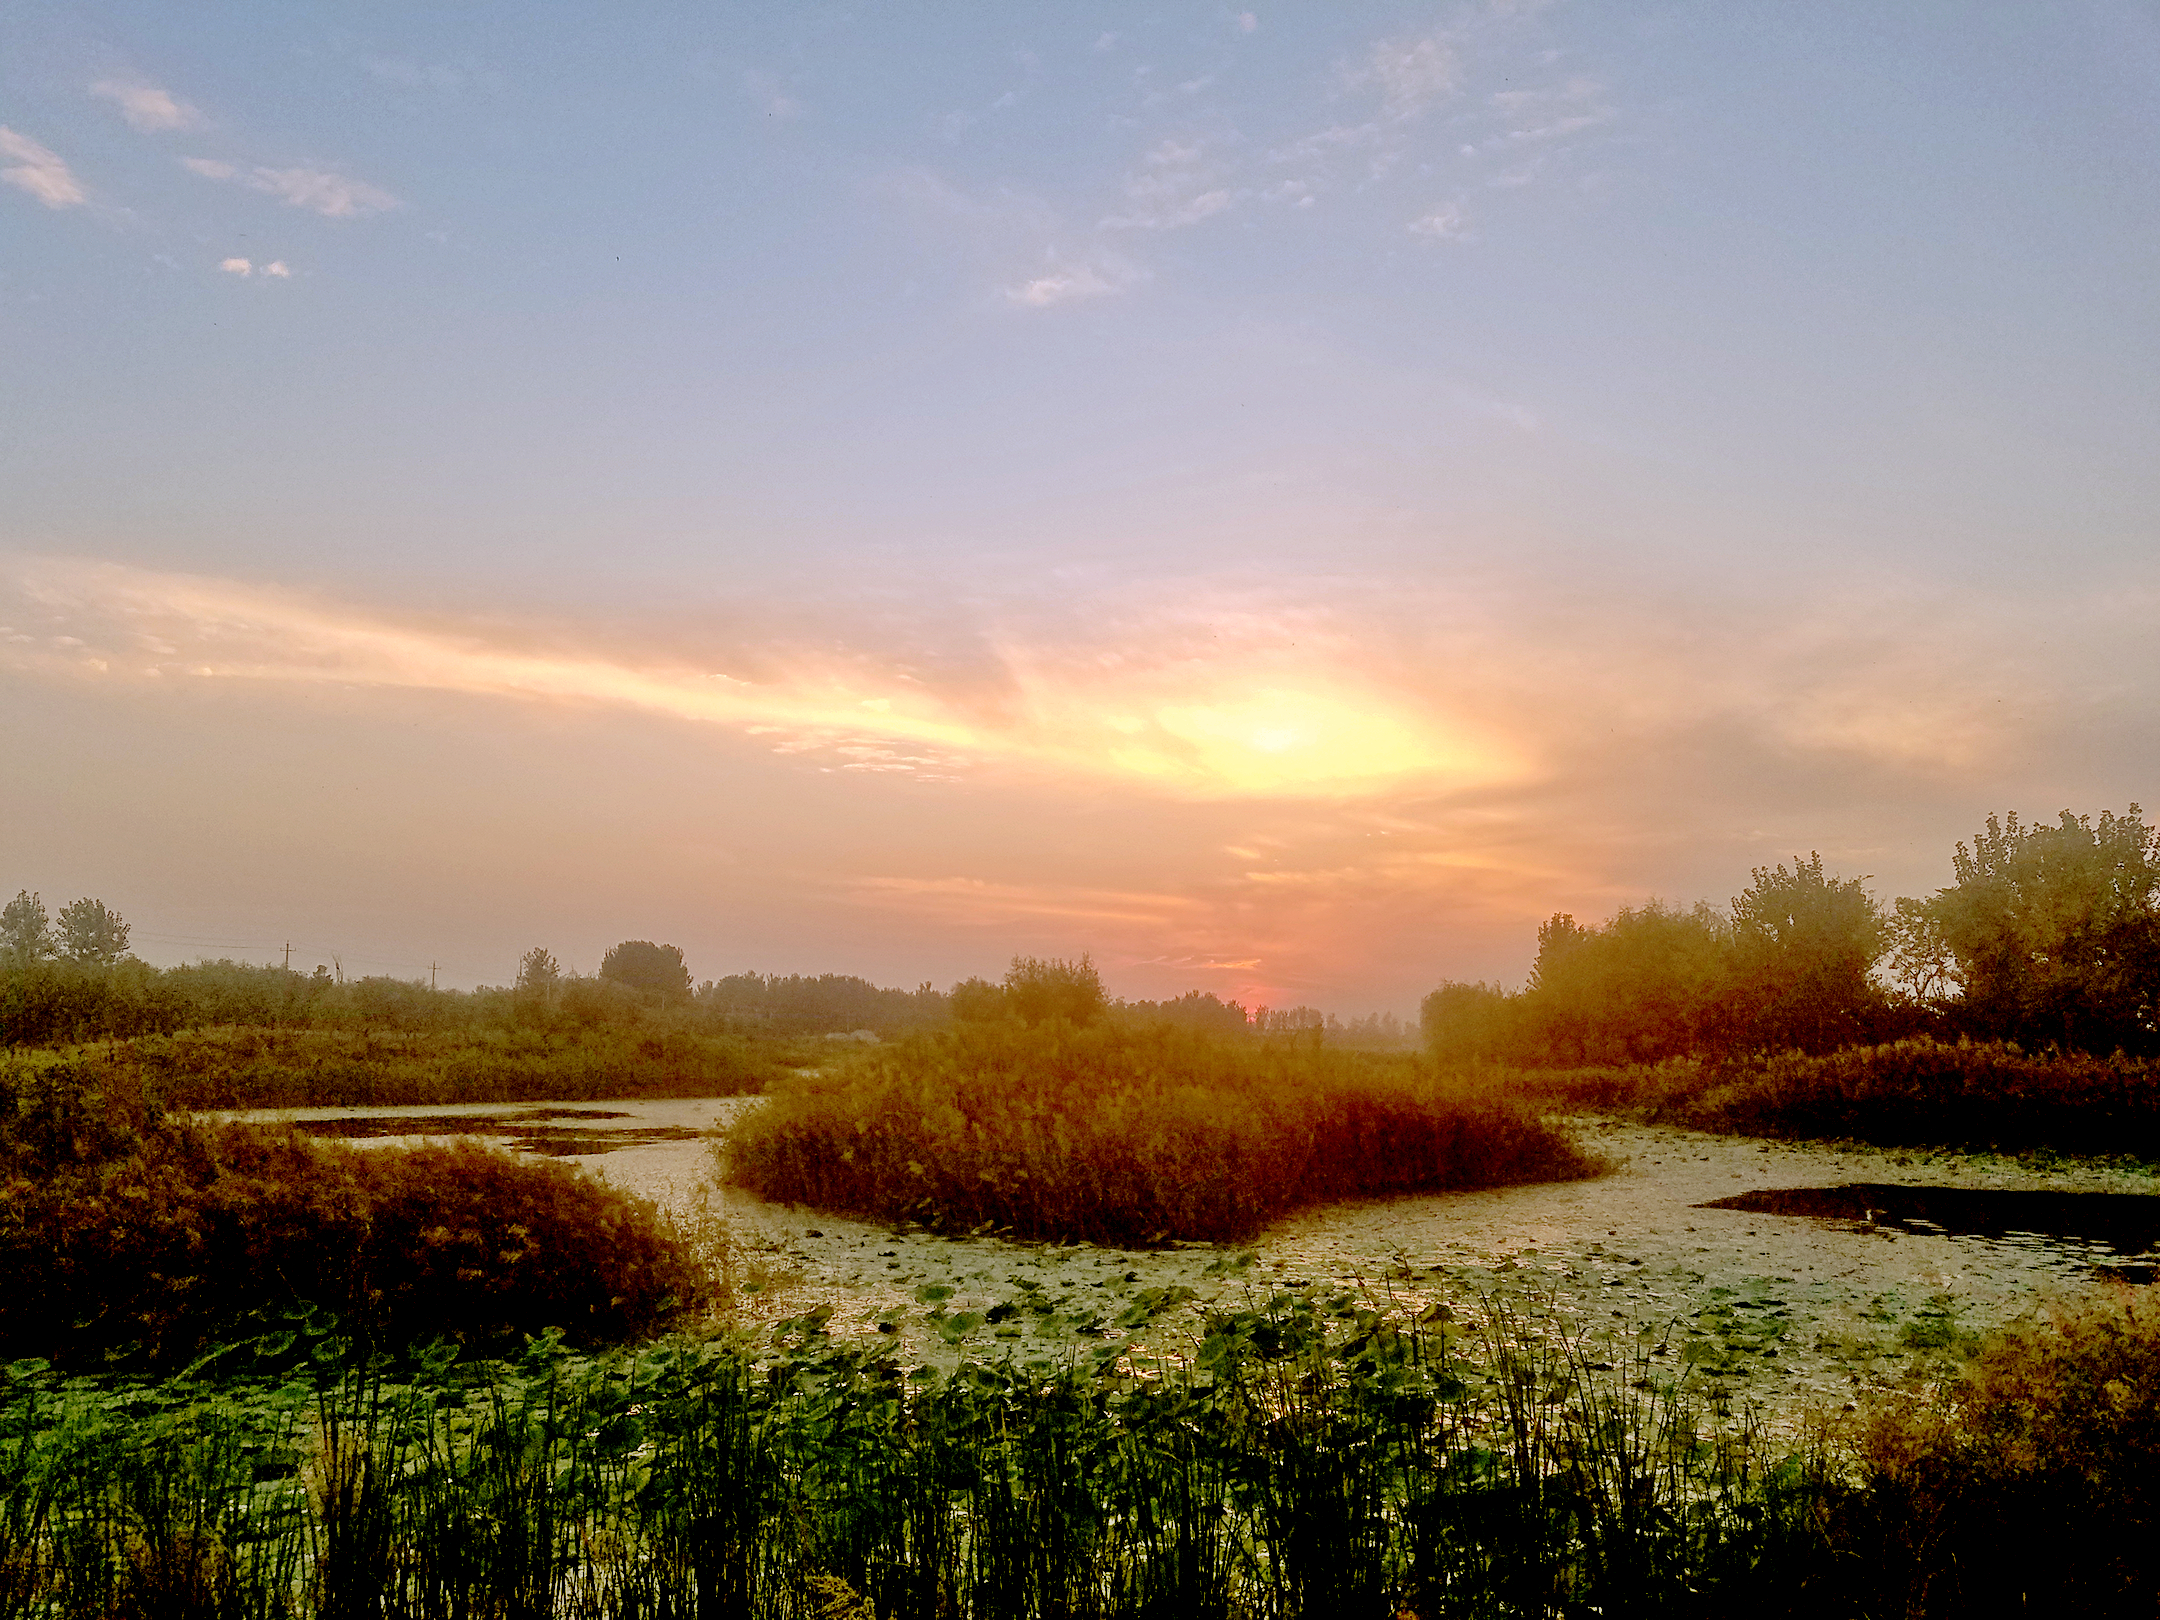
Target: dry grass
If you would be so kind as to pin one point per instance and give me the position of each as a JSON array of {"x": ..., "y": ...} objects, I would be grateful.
[{"x": 1128, "y": 1135}]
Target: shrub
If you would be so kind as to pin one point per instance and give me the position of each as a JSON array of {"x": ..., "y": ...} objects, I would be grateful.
[
  {"x": 1902, "y": 1094},
  {"x": 124, "y": 1233},
  {"x": 1122, "y": 1134},
  {"x": 2038, "y": 1473}
]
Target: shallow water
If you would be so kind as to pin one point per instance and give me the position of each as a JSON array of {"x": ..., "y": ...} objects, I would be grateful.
[{"x": 1679, "y": 1254}]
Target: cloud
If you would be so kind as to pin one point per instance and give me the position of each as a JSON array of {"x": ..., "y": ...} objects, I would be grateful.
[
  {"x": 333, "y": 196},
  {"x": 1063, "y": 286},
  {"x": 1444, "y": 222},
  {"x": 276, "y": 270},
  {"x": 1215, "y": 707},
  {"x": 1177, "y": 184},
  {"x": 146, "y": 107},
  {"x": 1247, "y": 22},
  {"x": 1411, "y": 74},
  {"x": 38, "y": 170},
  {"x": 1105, "y": 42},
  {"x": 236, "y": 267}
]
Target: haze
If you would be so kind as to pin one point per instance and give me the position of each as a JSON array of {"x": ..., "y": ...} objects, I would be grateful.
[{"x": 1280, "y": 500}]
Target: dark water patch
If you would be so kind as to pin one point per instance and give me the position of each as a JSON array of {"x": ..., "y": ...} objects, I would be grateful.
[
  {"x": 2128, "y": 1223},
  {"x": 529, "y": 1131}
]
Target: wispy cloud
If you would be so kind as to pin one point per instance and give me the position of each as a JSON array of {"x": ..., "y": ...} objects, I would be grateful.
[
  {"x": 1444, "y": 223},
  {"x": 1068, "y": 283},
  {"x": 334, "y": 196},
  {"x": 38, "y": 170},
  {"x": 236, "y": 267},
  {"x": 275, "y": 270},
  {"x": 146, "y": 107},
  {"x": 1178, "y": 183}
]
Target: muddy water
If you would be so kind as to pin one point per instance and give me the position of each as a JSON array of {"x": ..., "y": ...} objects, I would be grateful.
[{"x": 1852, "y": 1290}]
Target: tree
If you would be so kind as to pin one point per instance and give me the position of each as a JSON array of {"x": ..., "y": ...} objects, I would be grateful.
[
  {"x": 538, "y": 972},
  {"x": 977, "y": 1001},
  {"x": 1039, "y": 990},
  {"x": 2056, "y": 929},
  {"x": 1804, "y": 952},
  {"x": 25, "y": 930},
  {"x": 639, "y": 964},
  {"x": 92, "y": 934}
]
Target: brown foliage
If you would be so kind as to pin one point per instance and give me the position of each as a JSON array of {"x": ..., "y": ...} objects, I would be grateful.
[
  {"x": 124, "y": 1233},
  {"x": 1123, "y": 1134},
  {"x": 1901, "y": 1094},
  {"x": 2032, "y": 1481}
]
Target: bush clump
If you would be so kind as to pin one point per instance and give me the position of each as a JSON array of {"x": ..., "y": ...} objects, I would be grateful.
[
  {"x": 2037, "y": 1473},
  {"x": 1916, "y": 1093},
  {"x": 130, "y": 1235},
  {"x": 1121, "y": 1134}
]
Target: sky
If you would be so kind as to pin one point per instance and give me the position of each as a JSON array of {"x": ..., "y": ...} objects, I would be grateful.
[{"x": 1281, "y": 500}]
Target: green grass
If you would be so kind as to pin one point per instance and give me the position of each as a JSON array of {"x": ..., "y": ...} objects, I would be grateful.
[{"x": 1124, "y": 1134}]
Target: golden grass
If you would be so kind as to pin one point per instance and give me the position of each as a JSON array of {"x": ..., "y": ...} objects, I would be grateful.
[{"x": 1127, "y": 1135}]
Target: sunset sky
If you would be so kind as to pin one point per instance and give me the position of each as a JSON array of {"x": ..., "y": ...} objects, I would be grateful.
[{"x": 1281, "y": 500}]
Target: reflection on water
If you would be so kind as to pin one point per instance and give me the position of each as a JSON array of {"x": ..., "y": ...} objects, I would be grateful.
[
  {"x": 533, "y": 1130},
  {"x": 2126, "y": 1223}
]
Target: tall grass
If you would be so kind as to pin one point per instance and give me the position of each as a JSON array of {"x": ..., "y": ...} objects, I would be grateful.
[
  {"x": 256, "y": 1066},
  {"x": 1904, "y": 1094},
  {"x": 1123, "y": 1134},
  {"x": 1311, "y": 1460}
]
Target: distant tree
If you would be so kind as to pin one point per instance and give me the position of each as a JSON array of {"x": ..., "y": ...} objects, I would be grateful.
[
  {"x": 538, "y": 971},
  {"x": 1472, "y": 1023},
  {"x": 92, "y": 934},
  {"x": 639, "y": 964},
  {"x": 25, "y": 930},
  {"x": 2056, "y": 930},
  {"x": 977, "y": 1001},
  {"x": 1038, "y": 990},
  {"x": 1804, "y": 952}
]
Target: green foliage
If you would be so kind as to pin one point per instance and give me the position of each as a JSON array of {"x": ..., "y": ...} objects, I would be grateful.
[
  {"x": 91, "y": 933},
  {"x": 2056, "y": 930},
  {"x": 1804, "y": 949},
  {"x": 1038, "y": 990},
  {"x": 128, "y": 1233},
  {"x": 640, "y": 965},
  {"x": 823, "y": 1004},
  {"x": 1127, "y": 1133},
  {"x": 25, "y": 929},
  {"x": 977, "y": 1001},
  {"x": 1314, "y": 1458}
]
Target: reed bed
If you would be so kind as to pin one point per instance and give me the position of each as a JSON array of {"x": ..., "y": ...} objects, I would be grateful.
[
  {"x": 1126, "y": 1135},
  {"x": 1916, "y": 1093},
  {"x": 258, "y": 1066}
]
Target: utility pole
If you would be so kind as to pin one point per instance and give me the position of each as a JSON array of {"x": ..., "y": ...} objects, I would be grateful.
[
  {"x": 431, "y": 975},
  {"x": 288, "y": 956}
]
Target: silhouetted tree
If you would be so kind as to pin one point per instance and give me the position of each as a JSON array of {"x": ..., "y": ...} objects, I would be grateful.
[
  {"x": 641, "y": 965},
  {"x": 977, "y": 1001}
]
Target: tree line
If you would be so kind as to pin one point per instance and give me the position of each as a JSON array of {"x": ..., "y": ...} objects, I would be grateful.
[{"x": 2049, "y": 936}]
